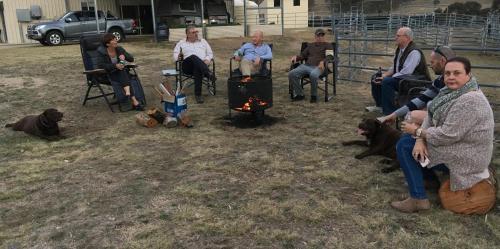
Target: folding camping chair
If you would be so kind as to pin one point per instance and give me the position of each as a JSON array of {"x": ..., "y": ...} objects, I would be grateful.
[
  {"x": 97, "y": 77},
  {"x": 265, "y": 70},
  {"x": 329, "y": 70},
  {"x": 183, "y": 77}
]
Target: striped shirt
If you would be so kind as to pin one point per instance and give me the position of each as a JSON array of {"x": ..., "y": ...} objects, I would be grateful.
[{"x": 421, "y": 101}]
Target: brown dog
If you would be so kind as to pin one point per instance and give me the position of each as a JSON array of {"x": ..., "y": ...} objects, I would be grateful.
[
  {"x": 43, "y": 125},
  {"x": 381, "y": 140}
]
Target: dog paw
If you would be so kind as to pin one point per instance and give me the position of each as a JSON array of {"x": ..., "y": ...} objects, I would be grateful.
[{"x": 385, "y": 161}]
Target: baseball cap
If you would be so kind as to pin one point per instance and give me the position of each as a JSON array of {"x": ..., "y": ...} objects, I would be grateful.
[
  {"x": 319, "y": 31},
  {"x": 445, "y": 51}
]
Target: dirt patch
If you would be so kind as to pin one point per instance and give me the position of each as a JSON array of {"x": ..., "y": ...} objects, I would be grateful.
[{"x": 21, "y": 82}]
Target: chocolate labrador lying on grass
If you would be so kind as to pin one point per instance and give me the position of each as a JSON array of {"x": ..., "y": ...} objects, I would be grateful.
[
  {"x": 381, "y": 139},
  {"x": 43, "y": 125}
]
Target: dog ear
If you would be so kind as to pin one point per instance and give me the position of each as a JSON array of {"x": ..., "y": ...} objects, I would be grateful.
[{"x": 52, "y": 115}]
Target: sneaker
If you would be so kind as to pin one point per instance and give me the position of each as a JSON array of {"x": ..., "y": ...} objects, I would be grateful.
[
  {"x": 373, "y": 109},
  {"x": 199, "y": 99},
  {"x": 298, "y": 98},
  {"x": 313, "y": 99}
]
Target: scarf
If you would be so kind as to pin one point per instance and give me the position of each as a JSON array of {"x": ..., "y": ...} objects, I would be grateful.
[{"x": 444, "y": 99}]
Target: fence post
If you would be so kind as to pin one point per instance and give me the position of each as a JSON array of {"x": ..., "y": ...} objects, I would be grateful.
[{"x": 312, "y": 20}]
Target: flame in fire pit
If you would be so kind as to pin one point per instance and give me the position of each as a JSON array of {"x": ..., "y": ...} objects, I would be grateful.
[{"x": 252, "y": 104}]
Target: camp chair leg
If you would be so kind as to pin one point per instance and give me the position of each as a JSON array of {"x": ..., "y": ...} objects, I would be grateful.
[
  {"x": 326, "y": 89},
  {"x": 87, "y": 95},
  {"x": 105, "y": 97}
]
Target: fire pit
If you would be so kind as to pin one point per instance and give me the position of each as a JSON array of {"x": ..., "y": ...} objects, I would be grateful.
[{"x": 254, "y": 95}]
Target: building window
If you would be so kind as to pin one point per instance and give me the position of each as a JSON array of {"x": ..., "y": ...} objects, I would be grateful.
[
  {"x": 296, "y": 2},
  {"x": 187, "y": 6},
  {"x": 87, "y": 4},
  {"x": 277, "y": 3}
]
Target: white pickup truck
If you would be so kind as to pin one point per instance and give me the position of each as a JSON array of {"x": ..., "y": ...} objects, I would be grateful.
[{"x": 74, "y": 24}]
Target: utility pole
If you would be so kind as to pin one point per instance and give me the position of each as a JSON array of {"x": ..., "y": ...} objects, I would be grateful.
[{"x": 96, "y": 16}]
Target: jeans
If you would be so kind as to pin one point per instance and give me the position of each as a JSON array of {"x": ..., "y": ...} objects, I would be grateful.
[
  {"x": 302, "y": 70},
  {"x": 413, "y": 171},
  {"x": 384, "y": 94},
  {"x": 196, "y": 67}
]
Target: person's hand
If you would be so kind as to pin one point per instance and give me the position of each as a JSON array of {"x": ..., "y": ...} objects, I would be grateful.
[
  {"x": 119, "y": 66},
  {"x": 378, "y": 80},
  {"x": 409, "y": 128},
  {"x": 207, "y": 61},
  {"x": 294, "y": 59},
  {"x": 237, "y": 58},
  {"x": 321, "y": 66},
  {"x": 121, "y": 57},
  {"x": 256, "y": 61},
  {"x": 389, "y": 119},
  {"x": 420, "y": 150}
]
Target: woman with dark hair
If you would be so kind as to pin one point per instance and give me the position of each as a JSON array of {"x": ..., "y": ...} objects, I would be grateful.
[
  {"x": 456, "y": 137},
  {"x": 113, "y": 59}
]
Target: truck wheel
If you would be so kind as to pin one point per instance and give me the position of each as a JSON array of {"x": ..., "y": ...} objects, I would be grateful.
[
  {"x": 118, "y": 33},
  {"x": 54, "y": 38},
  {"x": 43, "y": 42}
]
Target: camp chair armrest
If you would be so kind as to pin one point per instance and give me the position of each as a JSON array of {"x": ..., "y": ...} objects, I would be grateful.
[
  {"x": 131, "y": 65},
  {"x": 95, "y": 72}
]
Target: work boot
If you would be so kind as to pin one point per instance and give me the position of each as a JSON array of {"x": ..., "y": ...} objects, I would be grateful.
[
  {"x": 313, "y": 99},
  {"x": 411, "y": 205},
  {"x": 298, "y": 98}
]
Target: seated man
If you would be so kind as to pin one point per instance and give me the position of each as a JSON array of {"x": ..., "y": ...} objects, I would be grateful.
[
  {"x": 196, "y": 55},
  {"x": 314, "y": 54},
  {"x": 439, "y": 57},
  {"x": 408, "y": 61},
  {"x": 252, "y": 54}
]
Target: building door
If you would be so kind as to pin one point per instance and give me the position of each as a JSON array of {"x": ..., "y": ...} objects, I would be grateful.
[
  {"x": 142, "y": 15},
  {"x": 146, "y": 19}
]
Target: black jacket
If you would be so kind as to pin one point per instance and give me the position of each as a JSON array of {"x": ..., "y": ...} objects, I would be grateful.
[
  {"x": 421, "y": 71},
  {"x": 104, "y": 60}
]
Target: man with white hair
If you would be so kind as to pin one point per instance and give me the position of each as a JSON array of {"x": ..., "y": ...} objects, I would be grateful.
[
  {"x": 409, "y": 62},
  {"x": 252, "y": 54}
]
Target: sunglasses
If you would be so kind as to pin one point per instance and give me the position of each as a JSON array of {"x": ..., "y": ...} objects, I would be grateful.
[
  {"x": 321, "y": 34},
  {"x": 437, "y": 50}
]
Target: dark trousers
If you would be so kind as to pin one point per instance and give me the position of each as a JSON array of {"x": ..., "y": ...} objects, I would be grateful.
[
  {"x": 384, "y": 94},
  {"x": 119, "y": 79},
  {"x": 193, "y": 65}
]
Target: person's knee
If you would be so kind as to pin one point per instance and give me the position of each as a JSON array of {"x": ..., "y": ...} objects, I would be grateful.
[
  {"x": 293, "y": 74},
  {"x": 315, "y": 75},
  {"x": 404, "y": 144},
  {"x": 389, "y": 83}
]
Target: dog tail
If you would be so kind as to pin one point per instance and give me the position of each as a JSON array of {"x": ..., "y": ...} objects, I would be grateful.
[{"x": 9, "y": 125}]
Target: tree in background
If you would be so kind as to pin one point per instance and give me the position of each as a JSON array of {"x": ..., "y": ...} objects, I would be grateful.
[
  {"x": 495, "y": 5},
  {"x": 467, "y": 8}
]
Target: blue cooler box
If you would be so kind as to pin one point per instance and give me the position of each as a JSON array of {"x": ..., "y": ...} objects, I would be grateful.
[{"x": 178, "y": 107}]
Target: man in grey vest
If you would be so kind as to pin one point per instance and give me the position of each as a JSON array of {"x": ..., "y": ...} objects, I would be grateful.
[{"x": 409, "y": 62}]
